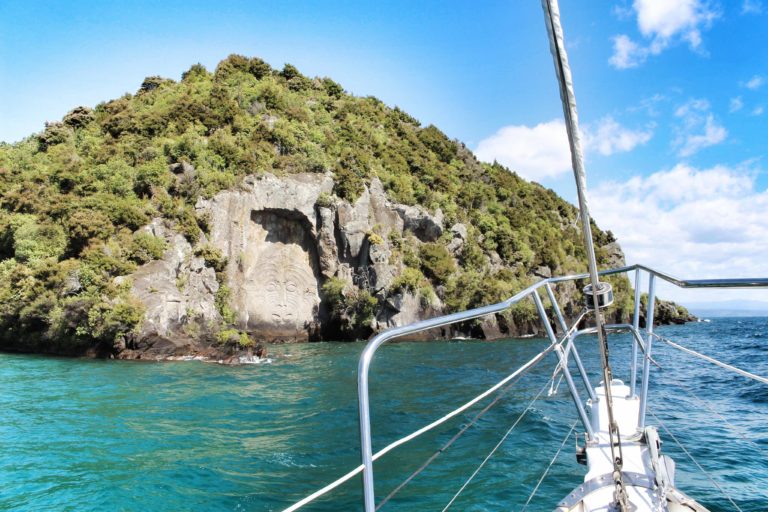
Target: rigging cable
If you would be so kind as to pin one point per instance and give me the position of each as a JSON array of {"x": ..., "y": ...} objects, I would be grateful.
[
  {"x": 504, "y": 438},
  {"x": 712, "y": 360},
  {"x": 733, "y": 428},
  {"x": 714, "y": 482},
  {"x": 565, "y": 82},
  {"x": 479, "y": 415},
  {"x": 544, "y": 475},
  {"x": 521, "y": 370},
  {"x": 447, "y": 445}
]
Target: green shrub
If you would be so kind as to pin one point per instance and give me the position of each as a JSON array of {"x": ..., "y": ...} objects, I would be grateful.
[
  {"x": 436, "y": 262},
  {"x": 33, "y": 240},
  {"x": 324, "y": 200},
  {"x": 222, "y": 303},
  {"x": 228, "y": 336},
  {"x": 108, "y": 321},
  {"x": 147, "y": 247},
  {"x": 361, "y": 306},
  {"x": 374, "y": 238},
  {"x": 85, "y": 225},
  {"x": 332, "y": 292},
  {"x": 410, "y": 279},
  {"x": 212, "y": 256}
]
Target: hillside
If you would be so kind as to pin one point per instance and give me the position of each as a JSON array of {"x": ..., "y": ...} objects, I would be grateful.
[{"x": 179, "y": 217}]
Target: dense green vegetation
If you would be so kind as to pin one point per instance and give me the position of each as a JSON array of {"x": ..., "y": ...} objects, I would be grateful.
[{"x": 73, "y": 196}]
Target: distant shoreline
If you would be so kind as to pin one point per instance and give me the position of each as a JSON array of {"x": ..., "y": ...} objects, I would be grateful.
[{"x": 728, "y": 313}]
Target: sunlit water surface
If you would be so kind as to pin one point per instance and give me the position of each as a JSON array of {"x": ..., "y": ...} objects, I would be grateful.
[{"x": 86, "y": 435}]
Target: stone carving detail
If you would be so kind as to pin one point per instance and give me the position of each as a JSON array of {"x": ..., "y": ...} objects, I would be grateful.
[
  {"x": 288, "y": 286},
  {"x": 278, "y": 275}
]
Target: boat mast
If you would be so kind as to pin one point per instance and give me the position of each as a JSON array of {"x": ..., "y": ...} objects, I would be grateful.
[{"x": 565, "y": 81}]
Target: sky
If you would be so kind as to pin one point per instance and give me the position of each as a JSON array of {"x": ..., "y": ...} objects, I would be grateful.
[{"x": 672, "y": 95}]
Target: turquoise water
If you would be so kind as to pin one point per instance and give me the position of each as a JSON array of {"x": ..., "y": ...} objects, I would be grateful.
[{"x": 90, "y": 435}]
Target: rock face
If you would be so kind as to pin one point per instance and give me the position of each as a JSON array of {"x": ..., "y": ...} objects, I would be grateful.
[
  {"x": 268, "y": 231},
  {"x": 177, "y": 290},
  {"x": 282, "y": 239}
]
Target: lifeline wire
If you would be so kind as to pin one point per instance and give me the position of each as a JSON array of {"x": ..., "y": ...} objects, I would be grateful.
[
  {"x": 520, "y": 371},
  {"x": 695, "y": 461},
  {"x": 447, "y": 445},
  {"x": 504, "y": 438},
  {"x": 736, "y": 430},
  {"x": 544, "y": 475},
  {"x": 712, "y": 360}
]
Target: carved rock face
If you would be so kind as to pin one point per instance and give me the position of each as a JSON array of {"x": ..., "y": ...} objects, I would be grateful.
[
  {"x": 275, "y": 280},
  {"x": 267, "y": 231}
]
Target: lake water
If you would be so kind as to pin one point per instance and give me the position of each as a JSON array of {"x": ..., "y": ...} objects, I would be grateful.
[{"x": 85, "y": 435}]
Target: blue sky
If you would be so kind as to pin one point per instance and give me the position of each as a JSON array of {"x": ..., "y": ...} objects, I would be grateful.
[{"x": 673, "y": 95}]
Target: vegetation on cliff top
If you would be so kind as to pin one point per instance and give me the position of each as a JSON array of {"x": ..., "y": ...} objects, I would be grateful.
[{"x": 73, "y": 196}]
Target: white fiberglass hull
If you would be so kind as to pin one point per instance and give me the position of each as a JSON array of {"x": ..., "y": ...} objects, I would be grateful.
[{"x": 648, "y": 477}]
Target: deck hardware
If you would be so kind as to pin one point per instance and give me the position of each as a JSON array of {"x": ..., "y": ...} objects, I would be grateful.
[{"x": 604, "y": 296}]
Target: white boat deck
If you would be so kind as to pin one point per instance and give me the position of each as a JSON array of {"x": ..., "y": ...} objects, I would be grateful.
[{"x": 597, "y": 492}]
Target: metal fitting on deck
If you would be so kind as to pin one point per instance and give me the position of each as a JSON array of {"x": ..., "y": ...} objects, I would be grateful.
[{"x": 604, "y": 296}]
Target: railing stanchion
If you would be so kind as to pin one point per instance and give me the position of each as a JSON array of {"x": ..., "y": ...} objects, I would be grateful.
[
  {"x": 571, "y": 346},
  {"x": 556, "y": 308},
  {"x": 582, "y": 371},
  {"x": 636, "y": 326},
  {"x": 647, "y": 360},
  {"x": 566, "y": 372}
]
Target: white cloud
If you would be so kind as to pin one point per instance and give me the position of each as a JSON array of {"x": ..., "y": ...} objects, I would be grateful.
[
  {"x": 626, "y": 53},
  {"x": 663, "y": 23},
  {"x": 542, "y": 151},
  {"x": 758, "y": 111},
  {"x": 754, "y": 83},
  {"x": 649, "y": 105},
  {"x": 607, "y": 137},
  {"x": 735, "y": 104},
  {"x": 752, "y": 7},
  {"x": 698, "y": 128},
  {"x": 533, "y": 152},
  {"x": 692, "y": 223}
]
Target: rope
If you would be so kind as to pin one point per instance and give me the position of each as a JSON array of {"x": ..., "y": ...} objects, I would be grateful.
[
  {"x": 745, "y": 373},
  {"x": 329, "y": 487},
  {"x": 447, "y": 445},
  {"x": 557, "y": 454},
  {"x": 722, "y": 491},
  {"x": 504, "y": 438},
  {"x": 519, "y": 372}
]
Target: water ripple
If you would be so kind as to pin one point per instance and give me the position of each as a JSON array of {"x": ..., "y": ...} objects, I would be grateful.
[{"x": 98, "y": 435}]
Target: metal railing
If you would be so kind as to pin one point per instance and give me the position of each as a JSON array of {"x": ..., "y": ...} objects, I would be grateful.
[
  {"x": 533, "y": 291},
  {"x": 564, "y": 347}
]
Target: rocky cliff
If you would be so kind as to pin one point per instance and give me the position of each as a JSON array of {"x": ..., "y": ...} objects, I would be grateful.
[
  {"x": 282, "y": 240},
  {"x": 248, "y": 205}
]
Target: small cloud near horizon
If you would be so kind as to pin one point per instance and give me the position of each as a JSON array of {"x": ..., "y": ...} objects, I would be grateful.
[
  {"x": 752, "y": 7},
  {"x": 754, "y": 83}
]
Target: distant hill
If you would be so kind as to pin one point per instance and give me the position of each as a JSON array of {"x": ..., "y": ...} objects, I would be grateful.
[
  {"x": 253, "y": 204},
  {"x": 729, "y": 308}
]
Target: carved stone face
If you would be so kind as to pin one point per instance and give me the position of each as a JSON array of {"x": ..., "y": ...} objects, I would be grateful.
[
  {"x": 288, "y": 286},
  {"x": 275, "y": 287}
]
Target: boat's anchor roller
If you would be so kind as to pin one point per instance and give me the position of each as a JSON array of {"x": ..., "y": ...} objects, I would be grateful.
[{"x": 604, "y": 296}]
